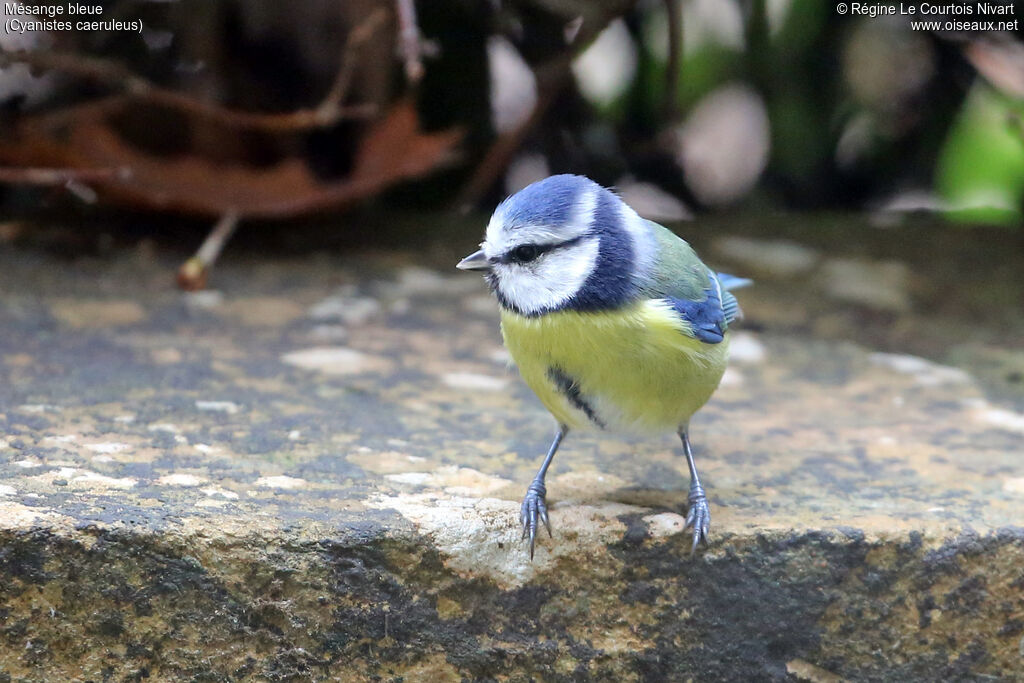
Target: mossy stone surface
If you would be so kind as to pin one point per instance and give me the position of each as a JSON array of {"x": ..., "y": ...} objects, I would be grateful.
[{"x": 314, "y": 472}]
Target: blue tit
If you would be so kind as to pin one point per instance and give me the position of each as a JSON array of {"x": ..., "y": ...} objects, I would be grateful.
[{"x": 613, "y": 321}]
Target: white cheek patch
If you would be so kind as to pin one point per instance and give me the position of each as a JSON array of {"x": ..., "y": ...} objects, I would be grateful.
[
  {"x": 642, "y": 239},
  {"x": 551, "y": 280}
]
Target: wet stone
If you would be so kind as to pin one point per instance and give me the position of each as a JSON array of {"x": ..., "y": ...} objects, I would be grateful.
[{"x": 290, "y": 481}]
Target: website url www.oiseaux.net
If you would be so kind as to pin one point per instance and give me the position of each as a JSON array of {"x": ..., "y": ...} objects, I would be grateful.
[{"x": 961, "y": 25}]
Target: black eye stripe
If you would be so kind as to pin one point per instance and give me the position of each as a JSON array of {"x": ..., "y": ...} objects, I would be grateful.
[
  {"x": 525, "y": 253},
  {"x": 535, "y": 251}
]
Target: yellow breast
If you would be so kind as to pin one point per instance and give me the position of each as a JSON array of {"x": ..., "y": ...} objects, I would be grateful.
[{"x": 633, "y": 369}]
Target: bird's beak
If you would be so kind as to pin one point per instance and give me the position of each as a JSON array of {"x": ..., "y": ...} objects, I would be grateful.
[{"x": 475, "y": 261}]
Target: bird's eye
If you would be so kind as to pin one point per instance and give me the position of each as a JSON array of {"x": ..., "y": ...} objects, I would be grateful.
[{"x": 525, "y": 253}]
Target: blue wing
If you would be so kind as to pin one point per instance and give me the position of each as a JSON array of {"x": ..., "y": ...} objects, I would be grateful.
[
  {"x": 710, "y": 318},
  {"x": 698, "y": 294}
]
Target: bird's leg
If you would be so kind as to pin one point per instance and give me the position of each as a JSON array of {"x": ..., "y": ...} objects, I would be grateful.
[
  {"x": 534, "y": 506},
  {"x": 699, "y": 514}
]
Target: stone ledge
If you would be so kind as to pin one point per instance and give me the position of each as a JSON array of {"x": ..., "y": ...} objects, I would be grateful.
[
  {"x": 299, "y": 481},
  {"x": 90, "y": 603}
]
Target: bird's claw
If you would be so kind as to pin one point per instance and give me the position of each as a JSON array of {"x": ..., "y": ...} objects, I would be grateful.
[
  {"x": 698, "y": 516},
  {"x": 534, "y": 508}
]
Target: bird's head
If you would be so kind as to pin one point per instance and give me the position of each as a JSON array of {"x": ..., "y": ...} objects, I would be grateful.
[{"x": 562, "y": 242}]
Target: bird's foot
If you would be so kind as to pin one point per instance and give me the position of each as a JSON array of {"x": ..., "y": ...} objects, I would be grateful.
[
  {"x": 534, "y": 508},
  {"x": 698, "y": 516}
]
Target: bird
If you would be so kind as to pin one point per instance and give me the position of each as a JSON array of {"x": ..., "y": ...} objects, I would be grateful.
[{"x": 613, "y": 321}]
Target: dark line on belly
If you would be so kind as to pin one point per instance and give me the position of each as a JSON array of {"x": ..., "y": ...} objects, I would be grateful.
[{"x": 570, "y": 388}]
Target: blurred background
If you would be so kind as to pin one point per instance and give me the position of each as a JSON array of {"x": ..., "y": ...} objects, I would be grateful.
[
  {"x": 278, "y": 110},
  {"x": 869, "y": 172},
  {"x": 688, "y": 107}
]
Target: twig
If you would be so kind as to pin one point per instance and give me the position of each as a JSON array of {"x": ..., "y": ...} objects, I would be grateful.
[
  {"x": 674, "y": 9},
  {"x": 60, "y": 176},
  {"x": 193, "y": 272},
  {"x": 500, "y": 153},
  {"x": 410, "y": 43},
  {"x": 302, "y": 119},
  {"x": 330, "y": 108},
  {"x": 551, "y": 78},
  {"x": 114, "y": 75},
  {"x": 327, "y": 113},
  {"x": 90, "y": 68},
  {"x": 74, "y": 180}
]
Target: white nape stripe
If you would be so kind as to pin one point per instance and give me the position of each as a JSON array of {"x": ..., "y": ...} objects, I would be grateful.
[
  {"x": 643, "y": 240},
  {"x": 582, "y": 213},
  {"x": 551, "y": 280}
]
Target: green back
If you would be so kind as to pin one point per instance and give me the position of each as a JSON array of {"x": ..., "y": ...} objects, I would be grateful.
[{"x": 678, "y": 271}]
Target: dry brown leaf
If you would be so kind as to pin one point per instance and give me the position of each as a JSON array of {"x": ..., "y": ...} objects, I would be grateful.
[{"x": 391, "y": 150}]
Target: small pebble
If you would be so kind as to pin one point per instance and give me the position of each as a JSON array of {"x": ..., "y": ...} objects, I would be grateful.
[
  {"x": 881, "y": 285},
  {"x": 474, "y": 382},
  {"x": 228, "y": 407},
  {"x": 334, "y": 360}
]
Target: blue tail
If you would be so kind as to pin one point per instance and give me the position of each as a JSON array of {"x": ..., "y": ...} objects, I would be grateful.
[
  {"x": 731, "y": 282},
  {"x": 730, "y": 307}
]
